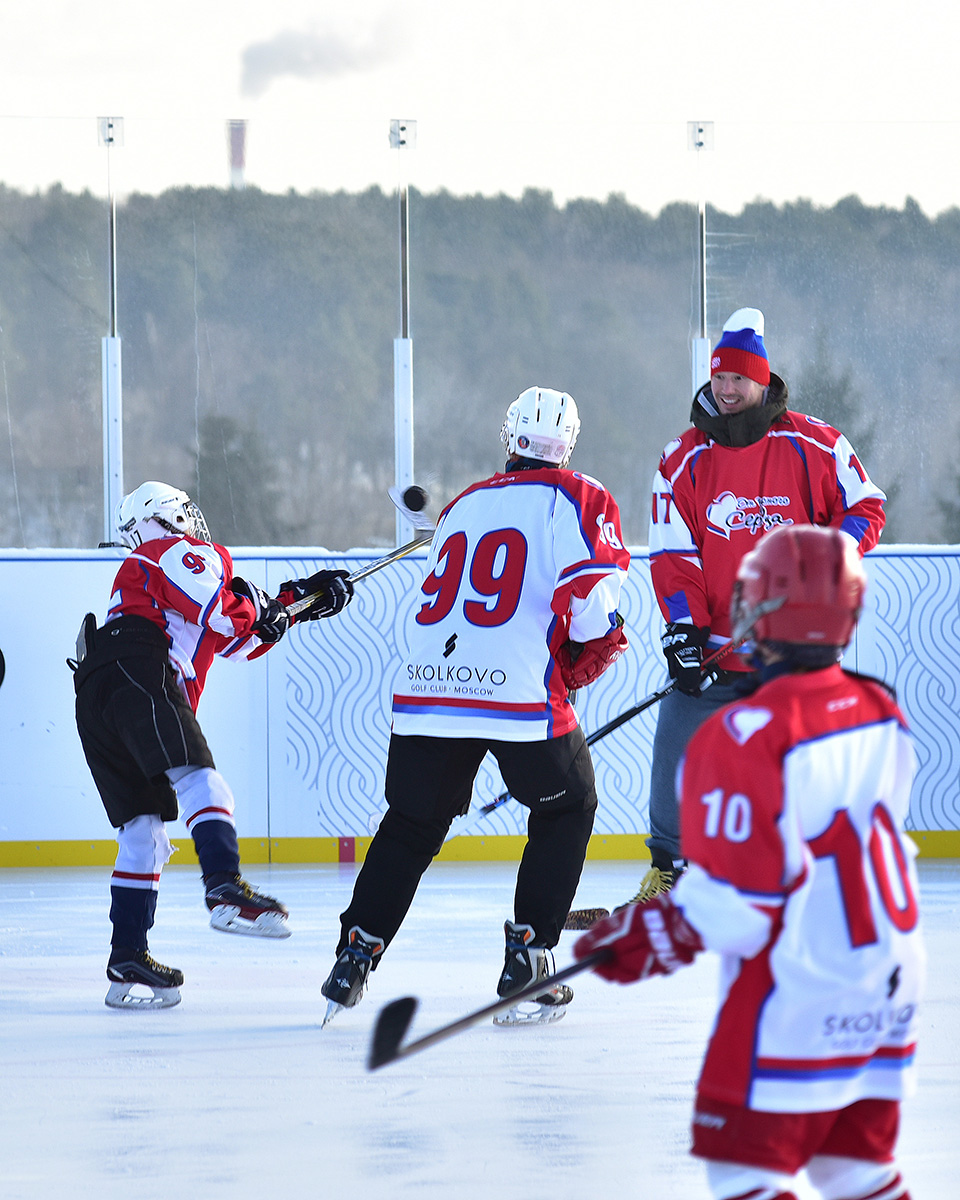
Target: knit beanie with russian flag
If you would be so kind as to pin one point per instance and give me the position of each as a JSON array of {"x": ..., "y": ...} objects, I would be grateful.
[{"x": 740, "y": 350}]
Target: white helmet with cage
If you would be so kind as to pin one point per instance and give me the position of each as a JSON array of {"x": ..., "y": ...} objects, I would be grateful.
[
  {"x": 541, "y": 424},
  {"x": 157, "y": 510}
]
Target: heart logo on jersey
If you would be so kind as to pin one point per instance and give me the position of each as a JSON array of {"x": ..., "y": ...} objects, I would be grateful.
[
  {"x": 743, "y": 723},
  {"x": 720, "y": 512}
]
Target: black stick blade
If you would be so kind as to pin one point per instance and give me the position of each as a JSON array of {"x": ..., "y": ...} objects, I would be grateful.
[
  {"x": 392, "y": 1023},
  {"x": 395, "y": 1018}
]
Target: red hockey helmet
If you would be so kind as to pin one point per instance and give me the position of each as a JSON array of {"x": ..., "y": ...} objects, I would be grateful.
[{"x": 801, "y": 587}]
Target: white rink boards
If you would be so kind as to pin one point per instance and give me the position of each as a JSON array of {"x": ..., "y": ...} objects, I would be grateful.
[{"x": 301, "y": 734}]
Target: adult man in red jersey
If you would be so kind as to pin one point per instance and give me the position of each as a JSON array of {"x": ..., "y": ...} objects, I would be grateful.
[{"x": 747, "y": 465}]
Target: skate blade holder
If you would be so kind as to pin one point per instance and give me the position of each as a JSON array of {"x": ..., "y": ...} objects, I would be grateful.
[
  {"x": 228, "y": 919},
  {"x": 531, "y": 1012},
  {"x": 122, "y": 996}
]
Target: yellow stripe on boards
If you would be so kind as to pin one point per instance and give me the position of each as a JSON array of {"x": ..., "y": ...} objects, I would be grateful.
[{"x": 621, "y": 847}]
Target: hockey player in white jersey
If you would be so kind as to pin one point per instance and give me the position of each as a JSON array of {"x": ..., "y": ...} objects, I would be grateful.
[
  {"x": 175, "y": 605},
  {"x": 518, "y": 607},
  {"x": 793, "y": 804}
]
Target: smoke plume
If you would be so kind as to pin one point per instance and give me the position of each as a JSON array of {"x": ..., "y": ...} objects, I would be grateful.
[{"x": 307, "y": 55}]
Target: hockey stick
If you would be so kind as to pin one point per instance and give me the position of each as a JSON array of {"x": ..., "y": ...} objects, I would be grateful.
[
  {"x": 423, "y": 533},
  {"x": 467, "y": 822},
  {"x": 583, "y": 918},
  {"x": 394, "y": 1018},
  {"x": 424, "y": 536}
]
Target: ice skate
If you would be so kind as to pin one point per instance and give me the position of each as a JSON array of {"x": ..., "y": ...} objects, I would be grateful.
[
  {"x": 344, "y": 986},
  {"x": 129, "y": 969},
  {"x": 661, "y": 877},
  {"x": 235, "y": 907},
  {"x": 525, "y": 962}
]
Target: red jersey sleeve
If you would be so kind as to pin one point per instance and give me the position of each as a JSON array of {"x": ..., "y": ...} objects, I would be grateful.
[{"x": 732, "y": 800}]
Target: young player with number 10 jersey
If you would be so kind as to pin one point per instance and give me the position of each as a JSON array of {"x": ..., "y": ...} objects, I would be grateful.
[{"x": 793, "y": 807}]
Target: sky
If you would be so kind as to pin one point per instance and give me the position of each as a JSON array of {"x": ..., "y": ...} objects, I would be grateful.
[{"x": 818, "y": 100}]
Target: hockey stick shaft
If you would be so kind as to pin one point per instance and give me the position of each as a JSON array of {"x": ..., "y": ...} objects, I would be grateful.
[
  {"x": 467, "y": 823},
  {"x": 424, "y": 536},
  {"x": 394, "y": 1019},
  {"x": 656, "y": 697}
]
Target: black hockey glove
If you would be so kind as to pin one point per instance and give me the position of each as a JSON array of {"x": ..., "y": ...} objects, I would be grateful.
[
  {"x": 333, "y": 591},
  {"x": 683, "y": 646},
  {"x": 272, "y": 620}
]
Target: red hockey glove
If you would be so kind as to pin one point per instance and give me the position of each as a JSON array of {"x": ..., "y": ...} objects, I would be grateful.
[
  {"x": 652, "y": 938},
  {"x": 581, "y": 663}
]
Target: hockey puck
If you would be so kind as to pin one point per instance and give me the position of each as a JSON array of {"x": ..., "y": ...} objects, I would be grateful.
[{"x": 415, "y": 498}]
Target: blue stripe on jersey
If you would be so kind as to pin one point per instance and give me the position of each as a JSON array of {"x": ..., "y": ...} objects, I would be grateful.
[
  {"x": 488, "y": 711},
  {"x": 819, "y": 1070},
  {"x": 677, "y": 607},
  {"x": 855, "y": 526}
]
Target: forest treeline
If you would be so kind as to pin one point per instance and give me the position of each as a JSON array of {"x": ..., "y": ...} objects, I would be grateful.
[{"x": 257, "y": 338}]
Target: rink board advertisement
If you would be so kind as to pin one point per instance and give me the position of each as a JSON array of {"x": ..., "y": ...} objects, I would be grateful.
[{"x": 301, "y": 734}]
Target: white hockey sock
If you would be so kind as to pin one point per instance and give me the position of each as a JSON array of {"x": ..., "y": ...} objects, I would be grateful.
[
  {"x": 733, "y": 1181},
  {"x": 203, "y": 795},
  {"x": 206, "y": 805},
  {"x": 142, "y": 850},
  {"x": 852, "y": 1178}
]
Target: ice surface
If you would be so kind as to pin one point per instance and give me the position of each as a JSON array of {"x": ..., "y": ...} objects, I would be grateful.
[{"x": 237, "y": 1092}]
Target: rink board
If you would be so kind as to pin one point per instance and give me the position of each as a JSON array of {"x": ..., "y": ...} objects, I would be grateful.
[{"x": 302, "y": 733}]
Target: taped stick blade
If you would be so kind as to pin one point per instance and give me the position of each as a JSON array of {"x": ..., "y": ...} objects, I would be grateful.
[
  {"x": 392, "y": 1024},
  {"x": 417, "y": 517},
  {"x": 583, "y": 918}
]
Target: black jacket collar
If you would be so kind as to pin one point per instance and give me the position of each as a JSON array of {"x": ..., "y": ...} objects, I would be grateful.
[{"x": 742, "y": 428}]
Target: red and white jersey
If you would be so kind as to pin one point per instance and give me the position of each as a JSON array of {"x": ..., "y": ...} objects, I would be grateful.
[
  {"x": 711, "y": 504},
  {"x": 519, "y": 563},
  {"x": 183, "y": 585},
  {"x": 792, "y": 813}
]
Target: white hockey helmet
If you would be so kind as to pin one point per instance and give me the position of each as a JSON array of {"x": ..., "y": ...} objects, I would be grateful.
[
  {"x": 157, "y": 510},
  {"x": 541, "y": 424}
]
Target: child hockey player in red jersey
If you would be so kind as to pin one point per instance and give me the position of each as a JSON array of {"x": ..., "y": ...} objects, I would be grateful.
[
  {"x": 519, "y": 604},
  {"x": 793, "y": 805},
  {"x": 176, "y": 603}
]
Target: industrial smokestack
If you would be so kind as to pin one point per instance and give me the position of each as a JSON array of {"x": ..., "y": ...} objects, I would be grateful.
[{"x": 237, "y": 139}]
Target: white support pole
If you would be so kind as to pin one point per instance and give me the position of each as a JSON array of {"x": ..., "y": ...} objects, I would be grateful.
[
  {"x": 701, "y": 363},
  {"x": 700, "y": 137},
  {"x": 112, "y": 433},
  {"x": 403, "y": 136},
  {"x": 403, "y": 425},
  {"x": 110, "y": 130}
]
